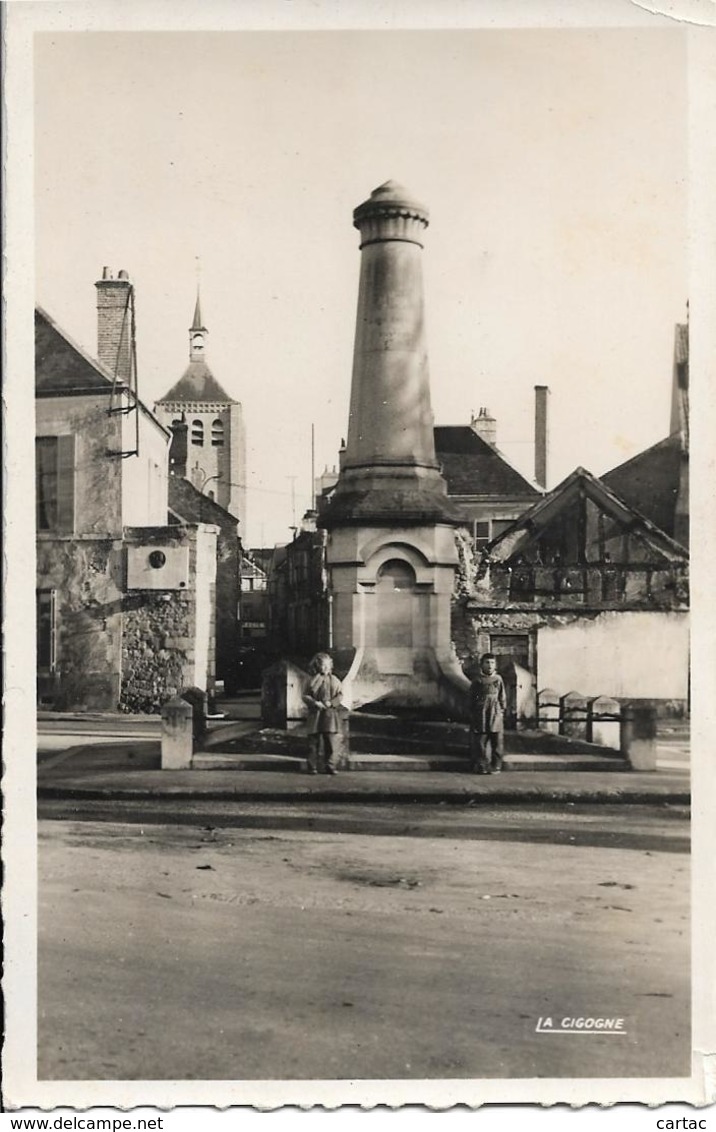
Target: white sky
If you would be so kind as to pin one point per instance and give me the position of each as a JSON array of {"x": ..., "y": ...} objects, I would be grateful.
[{"x": 553, "y": 163}]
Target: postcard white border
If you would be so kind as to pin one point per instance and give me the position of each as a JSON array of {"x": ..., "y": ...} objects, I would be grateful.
[{"x": 22, "y": 20}]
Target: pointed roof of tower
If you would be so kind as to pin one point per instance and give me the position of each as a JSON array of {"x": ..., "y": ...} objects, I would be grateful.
[
  {"x": 197, "y": 324},
  {"x": 197, "y": 383}
]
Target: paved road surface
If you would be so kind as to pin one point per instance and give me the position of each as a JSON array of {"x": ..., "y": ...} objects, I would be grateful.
[
  {"x": 646, "y": 827},
  {"x": 176, "y": 951}
]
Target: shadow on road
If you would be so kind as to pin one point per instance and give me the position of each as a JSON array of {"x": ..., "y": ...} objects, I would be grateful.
[{"x": 664, "y": 830}]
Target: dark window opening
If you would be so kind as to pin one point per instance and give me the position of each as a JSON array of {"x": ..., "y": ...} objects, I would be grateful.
[
  {"x": 482, "y": 533},
  {"x": 46, "y": 631},
  {"x": 46, "y": 482}
]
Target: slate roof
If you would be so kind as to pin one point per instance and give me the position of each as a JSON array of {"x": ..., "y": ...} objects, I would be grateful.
[
  {"x": 197, "y": 383},
  {"x": 61, "y": 366},
  {"x": 649, "y": 482},
  {"x": 471, "y": 466}
]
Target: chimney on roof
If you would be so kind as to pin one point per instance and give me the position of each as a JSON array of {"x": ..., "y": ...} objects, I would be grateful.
[
  {"x": 114, "y": 321},
  {"x": 179, "y": 447},
  {"x": 541, "y": 395},
  {"x": 485, "y": 425}
]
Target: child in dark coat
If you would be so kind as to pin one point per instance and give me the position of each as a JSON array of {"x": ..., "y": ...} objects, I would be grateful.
[
  {"x": 323, "y": 696},
  {"x": 488, "y": 703}
]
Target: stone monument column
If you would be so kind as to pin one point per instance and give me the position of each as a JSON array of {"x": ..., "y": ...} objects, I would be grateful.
[
  {"x": 390, "y": 422},
  {"x": 391, "y": 548}
]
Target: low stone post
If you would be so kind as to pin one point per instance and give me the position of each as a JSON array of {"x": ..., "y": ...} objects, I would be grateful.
[
  {"x": 199, "y": 704},
  {"x": 177, "y": 735},
  {"x": 573, "y": 715},
  {"x": 548, "y": 710},
  {"x": 604, "y": 722},
  {"x": 282, "y": 689},
  {"x": 638, "y": 736}
]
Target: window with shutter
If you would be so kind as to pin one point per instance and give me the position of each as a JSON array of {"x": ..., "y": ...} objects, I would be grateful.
[
  {"x": 55, "y": 483},
  {"x": 46, "y": 483}
]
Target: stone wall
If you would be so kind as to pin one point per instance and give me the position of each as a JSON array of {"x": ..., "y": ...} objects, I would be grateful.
[
  {"x": 202, "y": 564},
  {"x": 169, "y": 636},
  {"x": 86, "y": 575},
  {"x": 630, "y": 654},
  {"x": 118, "y": 649},
  {"x": 157, "y": 647}
]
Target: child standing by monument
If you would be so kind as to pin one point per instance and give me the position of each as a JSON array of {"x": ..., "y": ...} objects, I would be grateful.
[
  {"x": 323, "y": 697},
  {"x": 488, "y": 703}
]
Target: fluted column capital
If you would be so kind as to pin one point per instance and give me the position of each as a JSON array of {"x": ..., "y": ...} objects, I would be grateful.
[{"x": 390, "y": 214}]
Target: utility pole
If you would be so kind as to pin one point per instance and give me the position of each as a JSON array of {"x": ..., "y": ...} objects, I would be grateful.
[{"x": 313, "y": 467}]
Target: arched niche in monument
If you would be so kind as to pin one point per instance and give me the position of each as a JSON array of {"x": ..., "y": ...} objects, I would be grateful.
[{"x": 395, "y": 604}]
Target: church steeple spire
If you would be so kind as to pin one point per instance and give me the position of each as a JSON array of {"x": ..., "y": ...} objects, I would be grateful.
[
  {"x": 197, "y": 324},
  {"x": 197, "y": 333}
]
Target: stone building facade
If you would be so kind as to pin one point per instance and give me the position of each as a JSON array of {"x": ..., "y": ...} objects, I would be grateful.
[
  {"x": 581, "y": 594},
  {"x": 188, "y": 507},
  {"x": 299, "y": 598},
  {"x": 124, "y": 601}
]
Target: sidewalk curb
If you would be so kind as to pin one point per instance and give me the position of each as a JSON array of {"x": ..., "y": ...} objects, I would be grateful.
[{"x": 401, "y": 796}]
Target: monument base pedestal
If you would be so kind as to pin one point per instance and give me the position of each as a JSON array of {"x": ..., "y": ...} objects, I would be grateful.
[{"x": 398, "y": 680}]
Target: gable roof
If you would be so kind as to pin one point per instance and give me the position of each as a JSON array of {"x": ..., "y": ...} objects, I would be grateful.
[
  {"x": 61, "y": 366},
  {"x": 471, "y": 466},
  {"x": 197, "y": 383},
  {"x": 251, "y": 569},
  {"x": 649, "y": 482},
  {"x": 529, "y": 525},
  {"x": 262, "y": 556}
]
